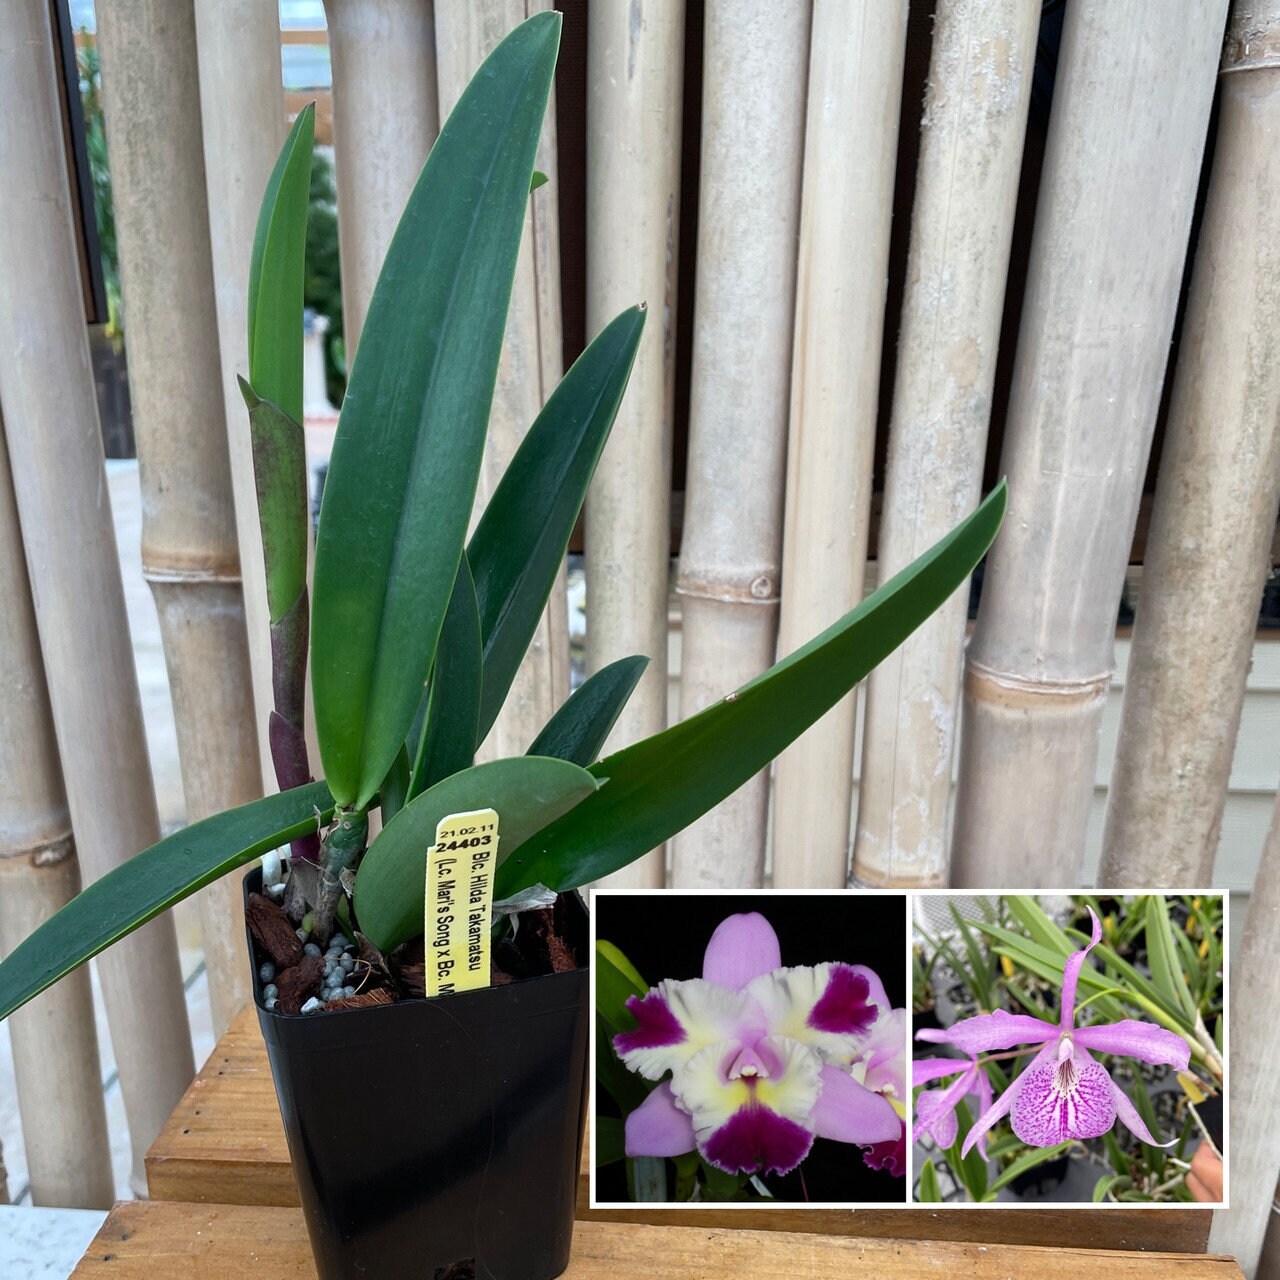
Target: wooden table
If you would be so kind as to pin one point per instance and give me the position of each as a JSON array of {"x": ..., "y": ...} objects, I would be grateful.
[
  {"x": 224, "y": 1203},
  {"x": 224, "y": 1144}
]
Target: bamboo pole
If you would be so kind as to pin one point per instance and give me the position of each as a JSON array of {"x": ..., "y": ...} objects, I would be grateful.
[
  {"x": 1130, "y": 111},
  {"x": 55, "y": 450},
  {"x": 635, "y": 99},
  {"x": 1209, "y": 545},
  {"x": 532, "y": 355},
  {"x": 1253, "y": 1160},
  {"x": 55, "y": 1044},
  {"x": 850, "y": 159},
  {"x": 756, "y": 63},
  {"x": 189, "y": 552},
  {"x": 385, "y": 118},
  {"x": 972, "y": 132},
  {"x": 243, "y": 127}
]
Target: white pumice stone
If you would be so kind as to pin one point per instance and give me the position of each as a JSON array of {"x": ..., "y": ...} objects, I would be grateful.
[
  {"x": 311, "y": 949},
  {"x": 348, "y": 992},
  {"x": 303, "y": 935},
  {"x": 271, "y": 1004},
  {"x": 313, "y": 1006},
  {"x": 267, "y": 971},
  {"x": 270, "y": 991}
]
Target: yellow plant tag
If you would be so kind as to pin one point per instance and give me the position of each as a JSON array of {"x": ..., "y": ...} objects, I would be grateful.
[{"x": 459, "y": 910}]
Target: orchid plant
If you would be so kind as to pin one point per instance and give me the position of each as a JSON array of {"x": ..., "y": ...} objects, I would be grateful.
[
  {"x": 412, "y": 632},
  {"x": 1064, "y": 1097},
  {"x": 755, "y": 1060}
]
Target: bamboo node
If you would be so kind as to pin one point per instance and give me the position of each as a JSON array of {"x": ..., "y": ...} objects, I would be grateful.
[
  {"x": 1010, "y": 689},
  {"x": 170, "y": 575},
  {"x": 44, "y": 853},
  {"x": 1252, "y": 43},
  {"x": 746, "y": 588}
]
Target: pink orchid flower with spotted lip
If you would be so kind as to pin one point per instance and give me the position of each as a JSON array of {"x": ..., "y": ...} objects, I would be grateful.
[
  {"x": 760, "y": 1057},
  {"x": 936, "y": 1108},
  {"x": 1064, "y": 1093}
]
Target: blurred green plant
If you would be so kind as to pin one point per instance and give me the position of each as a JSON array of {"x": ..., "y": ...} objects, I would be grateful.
[
  {"x": 322, "y": 281},
  {"x": 1161, "y": 960},
  {"x": 89, "y": 68}
]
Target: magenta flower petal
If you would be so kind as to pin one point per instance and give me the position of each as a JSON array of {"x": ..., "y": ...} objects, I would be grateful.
[
  {"x": 756, "y": 1138},
  {"x": 935, "y": 1108},
  {"x": 989, "y": 1031},
  {"x": 935, "y": 1118},
  {"x": 844, "y": 1008},
  {"x": 657, "y": 1127},
  {"x": 656, "y": 1026},
  {"x": 875, "y": 988},
  {"x": 1071, "y": 975},
  {"x": 1132, "y": 1039},
  {"x": 984, "y": 1105},
  {"x": 742, "y": 947},
  {"x": 1000, "y": 1107},
  {"x": 1070, "y": 1097},
  {"x": 891, "y": 1156},
  {"x": 1128, "y": 1116},
  {"x": 926, "y": 1070},
  {"x": 850, "y": 1112}
]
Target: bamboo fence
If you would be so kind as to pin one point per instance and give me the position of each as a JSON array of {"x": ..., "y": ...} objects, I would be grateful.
[
  {"x": 972, "y": 131},
  {"x": 635, "y": 104},
  {"x": 242, "y": 121},
  {"x": 804, "y": 125},
  {"x": 753, "y": 104},
  {"x": 1126, "y": 135},
  {"x": 55, "y": 452},
  {"x": 1215, "y": 505},
  {"x": 851, "y": 155},
  {"x": 190, "y": 554},
  {"x": 55, "y": 1043}
]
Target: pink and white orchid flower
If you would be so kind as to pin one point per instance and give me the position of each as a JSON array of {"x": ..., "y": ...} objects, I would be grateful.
[
  {"x": 1064, "y": 1093},
  {"x": 936, "y": 1108},
  {"x": 761, "y": 1058}
]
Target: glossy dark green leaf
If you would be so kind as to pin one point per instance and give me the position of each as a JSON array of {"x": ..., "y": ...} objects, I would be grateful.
[
  {"x": 276, "y": 271},
  {"x": 928, "y": 1192},
  {"x": 578, "y": 730},
  {"x": 280, "y": 479},
  {"x": 1162, "y": 955},
  {"x": 449, "y": 736},
  {"x": 527, "y": 793},
  {"x": 657, "y": 787},
  {"x": 519, "y": 545},
  {"x": 410, "y": 440},
  {"x": 393, "y": 795},
  {"x": 151, "y": 882}
]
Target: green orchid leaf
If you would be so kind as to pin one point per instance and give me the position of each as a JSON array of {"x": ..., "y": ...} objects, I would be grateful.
[
  {"x": 626, "y": 1088},
  {"x": 657, "y": 787},
  {"x": 449, "y": 737},
  {"x": 519, "y": 544},
  {"x": 928, "y": 1191},
  {"x": 151, "y": 882},
  {"x": 539, "y": 179},
  {"x": 1028, "y": 1160},
  {"x": 610, "y": 1140},
  {"x": 393, "y": 795},
  {"x": 410, "y": 440},
  {"x": 527, "y": 793},
  {"x": 280, "y": 478},
  {"x": 578, "y": 730},
  {"x": 276, "y": 269},
  {"x": 1162, "y": 954},
  {"x": 616, "y": 982}
]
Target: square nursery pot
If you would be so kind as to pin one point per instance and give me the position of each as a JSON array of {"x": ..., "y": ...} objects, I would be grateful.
[{"x": 431, "y": 1133}]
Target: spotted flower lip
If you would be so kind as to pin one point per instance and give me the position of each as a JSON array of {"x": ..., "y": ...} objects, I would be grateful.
[
  {"x": 1064, "y": 1093},
  {"x": 762, "y": 1058}
]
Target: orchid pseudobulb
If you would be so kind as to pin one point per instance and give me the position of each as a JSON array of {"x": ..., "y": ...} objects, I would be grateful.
[
  {"x": 1064, "y": 1093},
  {"x": 763, "y": 1059}
]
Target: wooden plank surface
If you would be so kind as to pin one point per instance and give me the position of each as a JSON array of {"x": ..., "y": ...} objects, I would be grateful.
[
  {"x": 224, "y": 1145},
  {"x": 141, "y": 1240}
]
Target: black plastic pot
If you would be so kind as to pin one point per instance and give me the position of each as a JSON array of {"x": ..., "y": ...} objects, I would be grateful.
[{"x": 430, "y": 1133}]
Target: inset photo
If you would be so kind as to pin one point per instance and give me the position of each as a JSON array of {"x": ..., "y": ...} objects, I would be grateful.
[
  {"x": 749, "y": 1048},
  {"x": 1068, "y": 1049}
]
